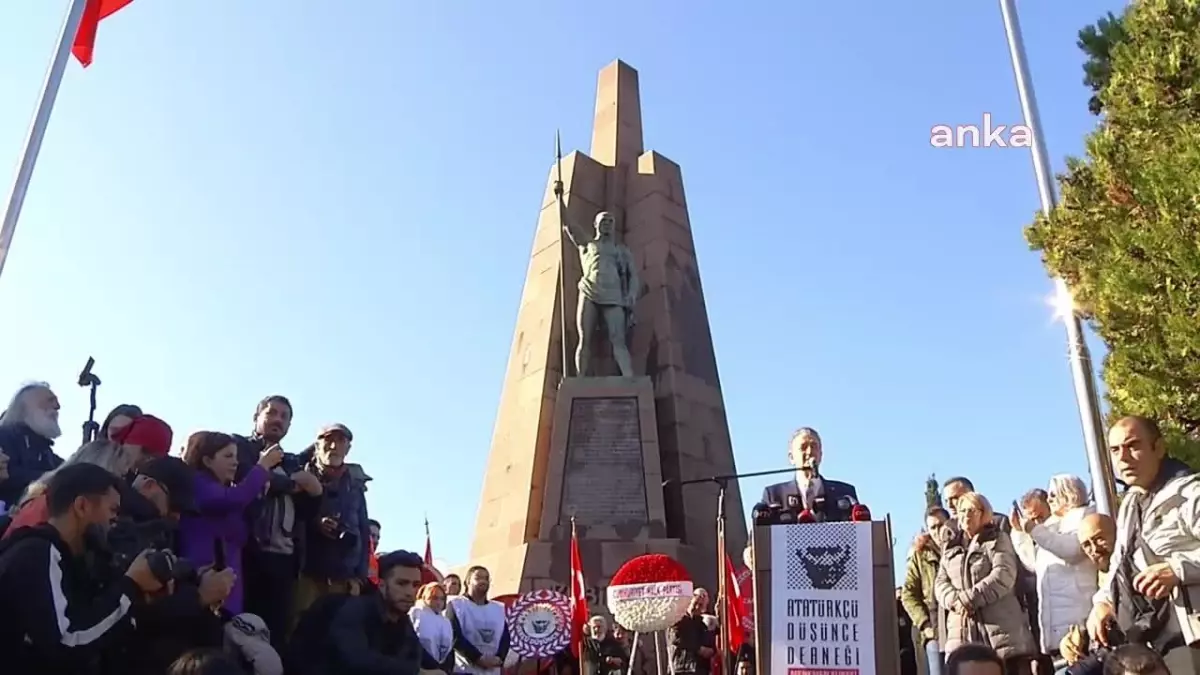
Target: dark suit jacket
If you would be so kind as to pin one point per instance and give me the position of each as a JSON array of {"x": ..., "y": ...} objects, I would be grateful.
[{"x": 833, "y": 492}]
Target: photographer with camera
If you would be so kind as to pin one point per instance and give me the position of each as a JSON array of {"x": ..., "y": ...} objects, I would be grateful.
[
  {"x": 1151, "y": 594},
  {"x": 181, "y": 617},
  {"x": 53, "y": 620}
]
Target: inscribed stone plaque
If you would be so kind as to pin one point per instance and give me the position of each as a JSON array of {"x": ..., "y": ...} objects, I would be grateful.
[{"x": 605, "y": 481}]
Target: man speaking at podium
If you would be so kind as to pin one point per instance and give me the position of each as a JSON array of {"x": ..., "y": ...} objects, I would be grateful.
[{"x": 828, "y": 500}]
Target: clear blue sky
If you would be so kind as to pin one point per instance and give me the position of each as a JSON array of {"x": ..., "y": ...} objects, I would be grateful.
[{"x": 335, "y": 201}]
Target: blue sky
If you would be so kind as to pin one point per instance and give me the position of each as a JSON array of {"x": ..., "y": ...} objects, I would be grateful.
[{"x": 335, "y": 201}]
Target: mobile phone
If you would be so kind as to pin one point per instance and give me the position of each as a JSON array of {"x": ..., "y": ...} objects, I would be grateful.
[{"x": 219, "y": 554}]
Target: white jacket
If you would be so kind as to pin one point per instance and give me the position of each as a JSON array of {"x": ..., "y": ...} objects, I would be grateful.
[
  {"x": 1171, "y": 534},
  {"x": 1066, "y": 579}
]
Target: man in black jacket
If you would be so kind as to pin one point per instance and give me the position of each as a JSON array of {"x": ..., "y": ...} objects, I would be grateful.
[
  {"x": 182, "y": 619},
  {"x": 691, "y": 644},
  {"x": 371, "y": 633},
  {"x": 271, "y": 560},
  {"x": 53, "y": 620}
]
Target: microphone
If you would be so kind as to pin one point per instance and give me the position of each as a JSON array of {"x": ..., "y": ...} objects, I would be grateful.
[
  {"x": 860, "y": 514},
  {"x": 806, "y": 516},
  {"x": 793, "y": 502}
]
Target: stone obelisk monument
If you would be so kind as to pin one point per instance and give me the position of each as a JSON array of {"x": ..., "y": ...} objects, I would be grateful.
[{"x": 598, "y": 445}]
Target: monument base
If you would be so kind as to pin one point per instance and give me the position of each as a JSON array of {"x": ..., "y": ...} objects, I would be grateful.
[{"x": 602, "y": 470}]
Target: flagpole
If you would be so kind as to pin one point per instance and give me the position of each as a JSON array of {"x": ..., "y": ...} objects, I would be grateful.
[
  {"x": 579, "y": 647},
  {"x": 37, "y": 130},
  {"x": 1086, "y": 400},
  {"x": 562, "y": 262}
]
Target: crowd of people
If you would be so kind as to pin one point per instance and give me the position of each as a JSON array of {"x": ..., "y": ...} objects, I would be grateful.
[
  {"x": 238, "y": 558},
  {"x": 1052, "y": 585},
  {"x": 234, "y": 558}
]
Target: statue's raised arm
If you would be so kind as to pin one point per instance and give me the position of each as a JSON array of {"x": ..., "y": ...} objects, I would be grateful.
[{"x": 562, "y": 212}]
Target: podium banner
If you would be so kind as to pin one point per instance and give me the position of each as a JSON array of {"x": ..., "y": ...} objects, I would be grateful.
[{"x": 822, "y": 610}]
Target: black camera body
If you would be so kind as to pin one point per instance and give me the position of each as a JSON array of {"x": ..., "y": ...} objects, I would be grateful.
[{"x": 167, "y": 567}]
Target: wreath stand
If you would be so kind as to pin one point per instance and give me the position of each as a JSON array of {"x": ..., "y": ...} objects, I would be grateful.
[{"x": 658, "y": 651}]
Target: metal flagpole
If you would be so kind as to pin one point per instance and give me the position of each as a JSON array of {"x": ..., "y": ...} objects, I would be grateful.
[
  {"x": 562, "y": 255},
  {"x": 37, "y": 130},
  {"x": 1086, "y": 399}
]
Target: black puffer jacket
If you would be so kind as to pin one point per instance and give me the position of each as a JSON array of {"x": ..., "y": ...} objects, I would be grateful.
[
  {"x": 685, "y": 640},
  {"x": 29, "y": 456}
]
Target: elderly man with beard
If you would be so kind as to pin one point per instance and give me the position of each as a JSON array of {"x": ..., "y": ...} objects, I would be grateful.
[
  {"x": 337, "y": 535},
  {"x": 28, "y": 429},
  {"x": 602, "y": 653}
]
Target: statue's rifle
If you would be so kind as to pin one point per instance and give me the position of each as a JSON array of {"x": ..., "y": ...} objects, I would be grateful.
[{"x": 562, "y": 253}]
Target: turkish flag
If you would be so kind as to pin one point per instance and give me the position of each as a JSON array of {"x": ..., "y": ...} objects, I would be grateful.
[
  {"x": 733, "y": 608},
  {"x": 579, "y": 603},
  {"x": 85, "y": 38}
]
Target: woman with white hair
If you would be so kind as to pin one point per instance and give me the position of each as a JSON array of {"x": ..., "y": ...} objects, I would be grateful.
[
  {"x": 28, "y": 428},
  {"x": 1066, "y": 579}
]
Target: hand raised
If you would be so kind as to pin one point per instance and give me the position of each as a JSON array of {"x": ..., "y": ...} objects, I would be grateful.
[{"x": 271, "y": 457}]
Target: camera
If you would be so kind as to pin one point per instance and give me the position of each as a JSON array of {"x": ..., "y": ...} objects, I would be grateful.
[{"x": 166, "y": 566}]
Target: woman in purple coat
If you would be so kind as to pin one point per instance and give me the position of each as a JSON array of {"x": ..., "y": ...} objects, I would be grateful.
[{"x": 221, "y": 504}]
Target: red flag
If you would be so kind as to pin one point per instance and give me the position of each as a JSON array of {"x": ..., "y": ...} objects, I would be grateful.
[
  {"x": 579, "y": 603},
  {"x": 428, "y": 546},
  {"x": 85, "y": 39},
  {"x": 733, "y": 607}
]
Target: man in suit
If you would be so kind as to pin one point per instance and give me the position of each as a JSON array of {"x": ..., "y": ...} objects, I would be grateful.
[{"x": 829, "y": 500}]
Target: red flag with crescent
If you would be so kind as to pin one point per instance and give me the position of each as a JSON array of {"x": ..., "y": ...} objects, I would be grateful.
[{"x": 579, "y": 603}]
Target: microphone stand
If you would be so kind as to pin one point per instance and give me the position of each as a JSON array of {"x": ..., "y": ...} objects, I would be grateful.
[
  {"x": 722, "y": 483},
  {"x": 88, "y": 379}
]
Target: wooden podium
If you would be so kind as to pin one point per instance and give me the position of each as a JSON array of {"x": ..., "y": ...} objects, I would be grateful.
[{"x": 819, "y": 607}]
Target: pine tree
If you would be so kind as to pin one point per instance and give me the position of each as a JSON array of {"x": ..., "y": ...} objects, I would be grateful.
[
  {"x": 1126, "y": 235},
  {"x": 1098, "y": 42}
]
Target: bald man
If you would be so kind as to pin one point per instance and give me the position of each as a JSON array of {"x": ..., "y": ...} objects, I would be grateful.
[{"x": 1097, "y": 536}]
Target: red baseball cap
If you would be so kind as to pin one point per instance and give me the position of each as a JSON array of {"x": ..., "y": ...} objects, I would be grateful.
[{"x": 153, "y": 434}]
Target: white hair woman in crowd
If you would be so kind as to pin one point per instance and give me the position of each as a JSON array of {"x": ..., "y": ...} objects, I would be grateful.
[
  {"x": 975, "y": 588},
  {"x": 28, "y": 428},
  {"x": 1066, "y": 578}
]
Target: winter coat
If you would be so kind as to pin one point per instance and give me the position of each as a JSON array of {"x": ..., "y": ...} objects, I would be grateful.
[
  {"x": 684, "y": 641},
  {"x": 980, "y": 572},
  {"x": 221, "y": 517},
  {"x": 917, "y": 592},
  {"x": 29, "y": 456},
  {"x": 55, "y": 621},
  {"x": 1170, "y": 523},
  {"x": 1066, "y": 578},
  {"x": 362, "y": 641},
  {"x": 347, "y": 555}
]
